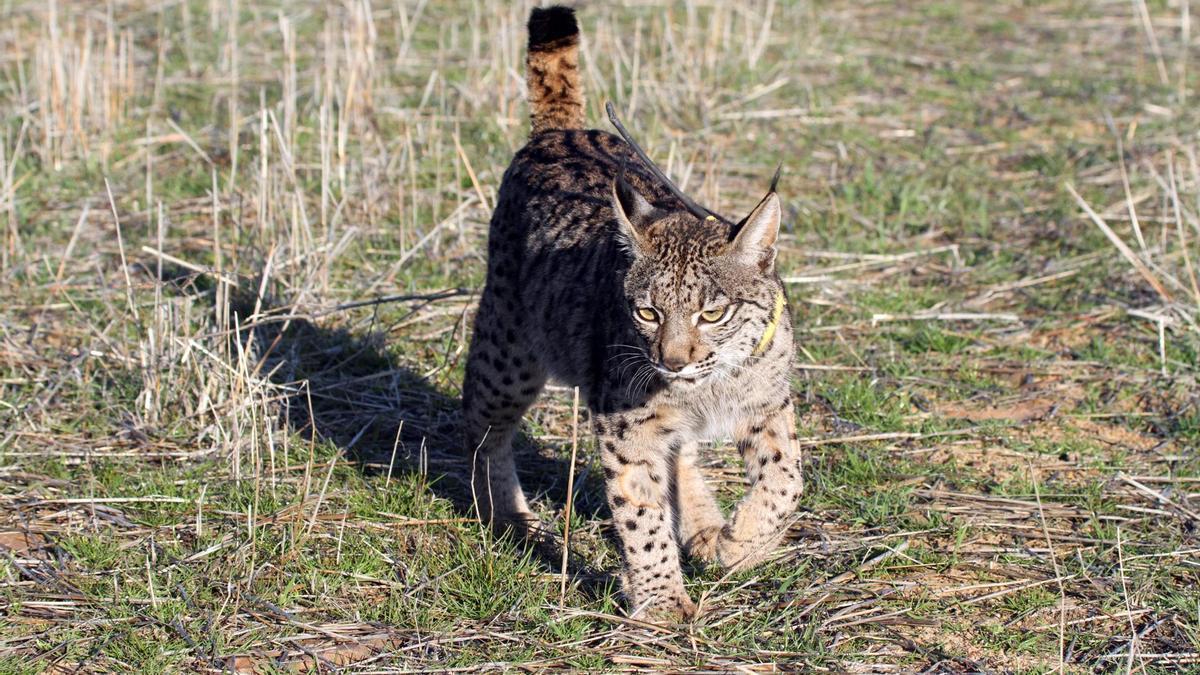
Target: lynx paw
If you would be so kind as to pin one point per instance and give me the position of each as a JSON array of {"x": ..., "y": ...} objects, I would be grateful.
[
  {"x": 678, "y": 608},
  {"x": 703, "y": 544},
  {"x": 523, "y": 524},
  {"x": 737, "y": 555}
]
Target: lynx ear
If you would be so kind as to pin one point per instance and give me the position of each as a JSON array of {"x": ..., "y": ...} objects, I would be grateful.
[
  {"x": 633, "y": 213},
  {"x": 754, "y": 242}
]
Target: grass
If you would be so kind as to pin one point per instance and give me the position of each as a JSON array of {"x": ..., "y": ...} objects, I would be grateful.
[{"x": 228, "y": 394}]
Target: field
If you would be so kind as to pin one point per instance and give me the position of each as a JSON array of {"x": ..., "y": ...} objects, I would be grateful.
[{"x": 241, "y": 247}]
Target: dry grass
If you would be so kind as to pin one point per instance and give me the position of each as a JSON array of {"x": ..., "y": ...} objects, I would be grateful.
[{"x": 241, "y": 246}]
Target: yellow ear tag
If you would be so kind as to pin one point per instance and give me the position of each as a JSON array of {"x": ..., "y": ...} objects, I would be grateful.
[
  {"x": 769, "y": 333},
  {"x": 710, "y": 218}
]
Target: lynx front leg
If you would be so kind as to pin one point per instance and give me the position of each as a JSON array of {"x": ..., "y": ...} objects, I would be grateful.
[
  {"x": 771, "y": 452},
  {"x": 636, "y": 456},
  {"x": 700, "y": 518}
]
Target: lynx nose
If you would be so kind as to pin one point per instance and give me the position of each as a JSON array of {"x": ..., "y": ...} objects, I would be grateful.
[{"x": 674, "y": 362}]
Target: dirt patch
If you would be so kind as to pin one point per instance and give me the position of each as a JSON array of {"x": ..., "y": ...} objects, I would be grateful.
[
  {"x": 1018, "y": 411},
  {"x": 1077, "y": 333},
  {"x": 1122, "y": 437},
  {"x": 966, "y": 642},
  {"x": 314, "y": 655},
  {"x": 999, "y": 463},
  {"x": 1039, "y": 399},
  {"x": 21, "y": 543}
]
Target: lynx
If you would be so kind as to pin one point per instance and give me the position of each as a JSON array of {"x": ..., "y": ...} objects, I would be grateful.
[{"x": 670, "y": 319}]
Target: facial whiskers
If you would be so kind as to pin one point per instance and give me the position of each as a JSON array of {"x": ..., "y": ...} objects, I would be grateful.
[
  {"x": 640, "y": 378},
  {"x": 629, "y": 355},
  {"x": 627, "y": 363}
]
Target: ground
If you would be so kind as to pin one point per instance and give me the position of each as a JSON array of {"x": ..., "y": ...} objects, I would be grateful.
[{"x": 242, "y": 243}]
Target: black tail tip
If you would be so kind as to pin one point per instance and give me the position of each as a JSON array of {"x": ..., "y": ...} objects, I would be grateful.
[{"x": 549, "y": 25}]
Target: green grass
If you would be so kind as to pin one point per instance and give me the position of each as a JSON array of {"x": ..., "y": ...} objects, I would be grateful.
[{"x": 178, "y": 495}]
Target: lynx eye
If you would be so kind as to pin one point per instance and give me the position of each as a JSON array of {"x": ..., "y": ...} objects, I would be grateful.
[
  {"x": 647, "y": 314},
  {"x": 715, "y": 315}
]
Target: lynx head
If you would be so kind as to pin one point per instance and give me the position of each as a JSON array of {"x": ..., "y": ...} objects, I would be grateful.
[{"x": 702, "y": 291}]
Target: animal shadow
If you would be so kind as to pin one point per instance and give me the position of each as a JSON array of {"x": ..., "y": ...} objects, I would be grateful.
[{"x": 349, "y": 389}]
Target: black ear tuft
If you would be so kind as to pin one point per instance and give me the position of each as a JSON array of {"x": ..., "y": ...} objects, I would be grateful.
[
  {"x": 770, "y": 190},
  {"x": 549, "y": 25},
  {"x": 754, "y": 239}
]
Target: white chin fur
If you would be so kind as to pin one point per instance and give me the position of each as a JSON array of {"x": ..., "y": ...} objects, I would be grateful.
[{"x": 688, "y": 373}]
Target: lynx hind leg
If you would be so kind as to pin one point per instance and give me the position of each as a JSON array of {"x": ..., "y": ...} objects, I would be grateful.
[
  {"x": 771, "y": 452},
  {"x": 502, "y": 381},
  {"x": 700, "y": 518}
]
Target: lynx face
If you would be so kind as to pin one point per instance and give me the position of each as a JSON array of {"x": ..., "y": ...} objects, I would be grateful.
[
  {"x": 696, "y": 304},
  {"x": 700, "y": 292}
]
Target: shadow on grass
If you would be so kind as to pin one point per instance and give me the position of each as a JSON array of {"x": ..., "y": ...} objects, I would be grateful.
[{"x": 385, "y": 417}]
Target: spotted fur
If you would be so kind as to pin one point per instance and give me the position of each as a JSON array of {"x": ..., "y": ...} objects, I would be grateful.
[{"x": 599, "y": 278}]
